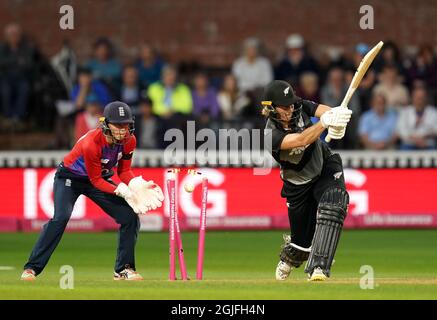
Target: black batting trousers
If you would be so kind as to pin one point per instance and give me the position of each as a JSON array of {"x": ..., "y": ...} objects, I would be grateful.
[{"x": 303, "y": 200}]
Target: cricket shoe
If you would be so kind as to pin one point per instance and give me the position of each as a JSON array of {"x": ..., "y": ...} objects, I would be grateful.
[
  {"x": 28, "y": 275},
  {"x": 283, "y": 270},
  {"x": 317, "y": 275},
  {"x": 128, "y": 274}
]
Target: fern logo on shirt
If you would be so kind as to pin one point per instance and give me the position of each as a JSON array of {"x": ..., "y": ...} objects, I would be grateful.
[
  {"x": 104, "y": 161},
  {"x": 297, "y": 150}
]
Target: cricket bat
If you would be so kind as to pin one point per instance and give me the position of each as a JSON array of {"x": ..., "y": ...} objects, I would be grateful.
[{"x": 358, "y": 76}]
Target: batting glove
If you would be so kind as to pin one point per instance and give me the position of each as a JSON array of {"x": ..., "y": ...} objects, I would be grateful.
[
  {"x": 336, "y": 117},
  {"x": 336, "y": 133}
]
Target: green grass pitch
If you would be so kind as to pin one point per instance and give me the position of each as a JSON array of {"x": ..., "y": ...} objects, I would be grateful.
[{"x": 238, "y": 265}]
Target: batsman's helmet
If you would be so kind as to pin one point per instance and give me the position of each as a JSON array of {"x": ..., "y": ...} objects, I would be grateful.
[
  {"x": 280, "y": 93},
  {"x": 117, "y": 112}
]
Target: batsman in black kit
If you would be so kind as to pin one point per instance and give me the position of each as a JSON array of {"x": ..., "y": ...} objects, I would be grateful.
[{"x": 312, "y": 176}]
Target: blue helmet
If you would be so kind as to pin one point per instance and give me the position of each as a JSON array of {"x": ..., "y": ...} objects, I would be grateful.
[{"x": 117, "y": 112}]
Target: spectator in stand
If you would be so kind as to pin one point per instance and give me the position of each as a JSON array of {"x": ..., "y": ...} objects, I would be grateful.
[
  {"x": 391, "y": 87},
  {"x": 251, "y": 70},
  {"x": 332, "y": 94},
  {"x": 231, "y": 101},
  {"x": 417, "y": 124},
  {"x": 16, "y": 70},
  {"x": 334, "y": 90},
  {"x": 149, "y": 128},
  {"x": 149, "y": 66},
  {"x": 89, "y": 118},
  {"x": 204, "y": 97},
  {"x": 296, "y": 61},
  {"x": 170, "y": 96},
  {"x": 389, "y": 56},
  {"x": 365, "y": 90},
  {"x": 85, "y": 90},
  {"x": 424, "y": 68},
  {"x": 87, "y": 86},
  {"x": 104, "y": 66},
  {"x": 131, "y": 90},
  {"x": 65, "y": 65},
  {"x": 308, "y": 86},
  {"x": 377, "y": 128}
]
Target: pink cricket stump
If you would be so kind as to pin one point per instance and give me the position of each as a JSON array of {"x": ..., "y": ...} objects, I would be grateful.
[
  {"x": 171, "y": 191},
  {"x": 179, "y": 244},
  {"x": 202, "y": 230}
]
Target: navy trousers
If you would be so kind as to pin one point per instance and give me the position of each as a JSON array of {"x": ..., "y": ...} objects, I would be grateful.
[{"x": 66, "y": 191}]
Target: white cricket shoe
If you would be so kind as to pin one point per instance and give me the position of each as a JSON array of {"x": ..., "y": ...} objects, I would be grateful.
[
  {"x": 317, "y": 275},
  {"x": 283, "y": 270},
  {"x": 28, "y": 275},
  {"x": 128, "y": 274}
]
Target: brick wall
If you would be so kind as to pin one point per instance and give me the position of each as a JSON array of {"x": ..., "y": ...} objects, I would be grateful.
[{"x": 210, "y": 31}]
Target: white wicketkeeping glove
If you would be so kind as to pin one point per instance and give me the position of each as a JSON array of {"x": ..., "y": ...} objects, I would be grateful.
[
  {"x": 336, "y": 117},
  {"x": 336, "y": 133},
  {"x": 124, "y": 192},
  {"x": 148, "y": 194}
]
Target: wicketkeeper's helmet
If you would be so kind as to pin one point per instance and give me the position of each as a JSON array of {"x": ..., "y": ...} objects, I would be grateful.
[{"x": 117, "y": 112}]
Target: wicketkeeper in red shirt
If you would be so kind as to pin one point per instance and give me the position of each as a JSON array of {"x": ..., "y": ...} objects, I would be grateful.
[{"x": 87, "y": 170}]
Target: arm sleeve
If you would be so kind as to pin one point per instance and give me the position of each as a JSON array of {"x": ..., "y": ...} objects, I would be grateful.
[
  {"x": 124, "y": 169},
  {"x": 309, "y": 107},
  {"x": 92, "y": 157}
]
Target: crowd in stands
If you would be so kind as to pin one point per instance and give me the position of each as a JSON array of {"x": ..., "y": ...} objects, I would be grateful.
[{"x": 394, "y": 107}]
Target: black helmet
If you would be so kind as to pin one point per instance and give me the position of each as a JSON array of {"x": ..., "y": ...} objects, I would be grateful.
[
  {"x": 117, "y": 112},
  {"x": 280, "y": 93}
]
